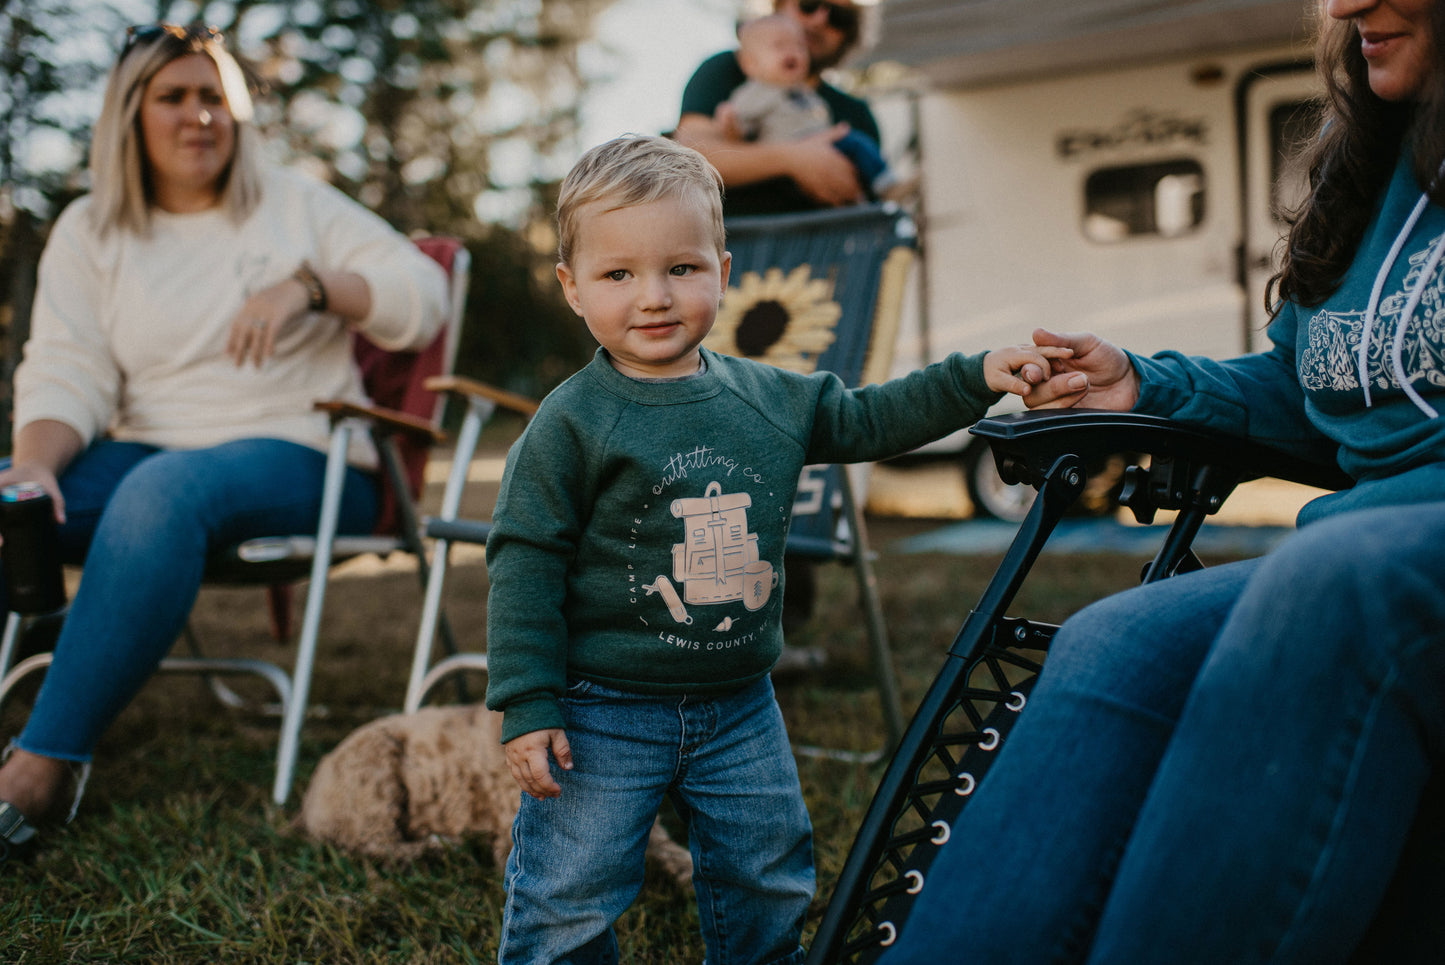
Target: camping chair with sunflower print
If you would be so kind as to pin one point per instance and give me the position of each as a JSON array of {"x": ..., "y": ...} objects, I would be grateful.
[{"x": 823, "y": 291}]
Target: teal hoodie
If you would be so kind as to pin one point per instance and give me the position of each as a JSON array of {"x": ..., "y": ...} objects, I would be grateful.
[{"x": 1305, "y": 394}]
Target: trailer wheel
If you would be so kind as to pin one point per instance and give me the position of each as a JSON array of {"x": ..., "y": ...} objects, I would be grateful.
[{"x": 992, "y": 497}]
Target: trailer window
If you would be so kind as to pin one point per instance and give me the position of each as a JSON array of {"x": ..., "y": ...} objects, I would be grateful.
[
  {"x": 1292, "y": 126},
  {"x": 1161, "y": 198}
]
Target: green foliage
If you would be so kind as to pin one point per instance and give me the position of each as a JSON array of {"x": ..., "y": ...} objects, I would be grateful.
[
  {"x": 43, "y": 129},
  {"x": 520, "y": 332},
  {"x": 401, "y": 105}
]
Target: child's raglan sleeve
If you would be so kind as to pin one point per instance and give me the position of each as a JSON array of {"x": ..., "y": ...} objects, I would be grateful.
[
  {"x": 878, "y": 421},
  {"x": 534, "y": 534}
]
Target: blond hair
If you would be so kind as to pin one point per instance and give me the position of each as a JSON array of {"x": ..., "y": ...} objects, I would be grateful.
[
  {"x": 631, "y": 170},
  {"x": 120, "y": 184}
]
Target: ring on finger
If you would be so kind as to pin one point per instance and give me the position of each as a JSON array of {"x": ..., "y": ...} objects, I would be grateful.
[{"x": 258, "y": 323}]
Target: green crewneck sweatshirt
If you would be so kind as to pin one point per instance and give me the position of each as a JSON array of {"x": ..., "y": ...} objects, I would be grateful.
[{"x": 639, "y": 532}]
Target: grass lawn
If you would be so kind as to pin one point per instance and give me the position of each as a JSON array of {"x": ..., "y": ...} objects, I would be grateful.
[{"x": 178, "y": 855}]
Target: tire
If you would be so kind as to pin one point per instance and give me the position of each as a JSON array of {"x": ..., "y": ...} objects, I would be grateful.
[{"x": 992, "y": 497}]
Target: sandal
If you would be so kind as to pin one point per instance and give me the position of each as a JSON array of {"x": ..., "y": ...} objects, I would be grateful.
[
  {"x": 17, "y": 835},
  {"x": 79, "y": 776}
]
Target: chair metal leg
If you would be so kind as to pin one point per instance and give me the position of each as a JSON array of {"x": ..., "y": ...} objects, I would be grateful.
[
  {"x": 209, "y": 667},
  {"x": 200, "y": 664},
  {"x": 17, "y": 627},
  {"x": 445, "y": 668},
  {"x": 937, "y": 764},
  {"x": 13, "y": 622},
  {"x": 295, "y": 712},
  {"x": 410, "y": 530},
  {"x": 22, "y": 670},
  {"x": 883, "y": 672},
  {"x": 478, "y": 411},
  {"x": 426, "y": 633},
  {"x": 881, "y": 654}
]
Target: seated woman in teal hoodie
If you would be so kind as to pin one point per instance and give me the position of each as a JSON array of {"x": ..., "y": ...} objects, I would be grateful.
[{"x": 1228, "y": 766}]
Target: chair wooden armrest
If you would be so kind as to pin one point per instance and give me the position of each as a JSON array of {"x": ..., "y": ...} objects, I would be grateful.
[
  {"x": 460, "y": 385},
  {"x": 399, "y": 422}
]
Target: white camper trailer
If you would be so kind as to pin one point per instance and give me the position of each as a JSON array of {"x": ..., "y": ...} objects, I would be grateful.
[{"x": 1122, "y": 170}]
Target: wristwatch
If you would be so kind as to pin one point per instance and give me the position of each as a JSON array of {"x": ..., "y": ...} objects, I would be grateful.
[{"x": 315, "y": 291}]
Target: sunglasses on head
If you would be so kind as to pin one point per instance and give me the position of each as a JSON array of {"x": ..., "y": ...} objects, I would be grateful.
[
  {"x": 150, "y": 32},
  {"x": 840, "y": 16}
]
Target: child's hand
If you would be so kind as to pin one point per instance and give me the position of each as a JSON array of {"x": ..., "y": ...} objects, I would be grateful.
[
  {"x": 1018, "y": 368},
  {"x": 527, "y": 760}
]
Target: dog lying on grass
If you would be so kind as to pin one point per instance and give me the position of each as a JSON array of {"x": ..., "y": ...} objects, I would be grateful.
[{"x": 408, "y": 783}]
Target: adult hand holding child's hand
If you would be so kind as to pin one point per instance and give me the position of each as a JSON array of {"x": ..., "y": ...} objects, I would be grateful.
[{"x": 1095, "y": 374}]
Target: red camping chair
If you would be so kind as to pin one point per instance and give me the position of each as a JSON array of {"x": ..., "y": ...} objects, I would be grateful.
[{"x": 404, "y": 420}]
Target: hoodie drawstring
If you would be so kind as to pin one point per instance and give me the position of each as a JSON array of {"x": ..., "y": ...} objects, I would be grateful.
[{"x": 1397, "y": 351}]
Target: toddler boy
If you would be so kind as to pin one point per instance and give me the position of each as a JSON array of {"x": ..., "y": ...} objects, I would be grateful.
[{"x": 635, "y": 564}]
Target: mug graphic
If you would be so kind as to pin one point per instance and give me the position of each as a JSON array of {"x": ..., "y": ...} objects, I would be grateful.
[{"x": 758, "y": 582}]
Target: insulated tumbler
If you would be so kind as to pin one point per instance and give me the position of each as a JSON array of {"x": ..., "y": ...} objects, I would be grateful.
[{"x": 30, "y": 553}]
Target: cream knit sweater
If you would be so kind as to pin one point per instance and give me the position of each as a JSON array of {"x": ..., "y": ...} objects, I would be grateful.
[{"x": 129, "y": 332}]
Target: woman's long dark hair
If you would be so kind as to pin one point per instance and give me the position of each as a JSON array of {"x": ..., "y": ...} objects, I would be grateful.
[{"x": 1351, "y": 161}]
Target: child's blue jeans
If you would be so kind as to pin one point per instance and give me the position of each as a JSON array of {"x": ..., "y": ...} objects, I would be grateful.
[
  {"x": 143, "y": 520},
  {"x": 577, "y": 859}
]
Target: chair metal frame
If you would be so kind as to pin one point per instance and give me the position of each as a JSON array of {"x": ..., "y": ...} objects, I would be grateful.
[
  {"x": 482, "y": 401},
  {"x": 269, "y": 561},
  {"x": 989, "y": 670}
]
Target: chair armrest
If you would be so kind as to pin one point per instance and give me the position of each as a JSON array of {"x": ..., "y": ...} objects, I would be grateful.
[
  {"x": 457, "y": 530},
  {"x": 1026, "y": 444},
  {"x": 399, "y": 422},
  {"x": 460, "y": 385}
]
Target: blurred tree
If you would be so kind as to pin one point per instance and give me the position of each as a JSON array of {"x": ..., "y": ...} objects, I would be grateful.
[
  {"x": 450, "y": 116},
  {"x": 444, "y": 116},
  {"x": 41, "y": 127}
]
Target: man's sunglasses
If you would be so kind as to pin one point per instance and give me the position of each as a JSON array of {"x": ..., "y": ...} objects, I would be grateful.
[
  {"x": 842, "y": 17},
  {"x": 149, "y": 32}
]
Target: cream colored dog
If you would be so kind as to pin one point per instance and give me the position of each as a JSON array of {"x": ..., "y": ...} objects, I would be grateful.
[{"x": 405, "y": 784}]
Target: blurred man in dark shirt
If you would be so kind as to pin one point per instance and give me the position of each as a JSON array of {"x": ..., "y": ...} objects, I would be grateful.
[{"x": 787, "y": 176}]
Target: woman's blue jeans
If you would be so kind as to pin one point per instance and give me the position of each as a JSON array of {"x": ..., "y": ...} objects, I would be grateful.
[
  {"x": 577, "y": 860},
  {"x": 1221, "y": 767},
  {"x": 143, "y": 521}
]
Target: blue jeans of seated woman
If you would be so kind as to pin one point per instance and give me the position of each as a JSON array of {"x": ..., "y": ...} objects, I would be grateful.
[
  {"x": 143, "y": 521},
  {"x": 577, "y": 859},
  {"x": 1221, "y": 767}
]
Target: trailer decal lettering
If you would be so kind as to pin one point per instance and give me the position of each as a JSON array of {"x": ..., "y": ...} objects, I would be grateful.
[{"x": 1139, "y": 127}]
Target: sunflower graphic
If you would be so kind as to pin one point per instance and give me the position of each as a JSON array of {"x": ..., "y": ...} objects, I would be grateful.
[{"x": 784, "y": 320}]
